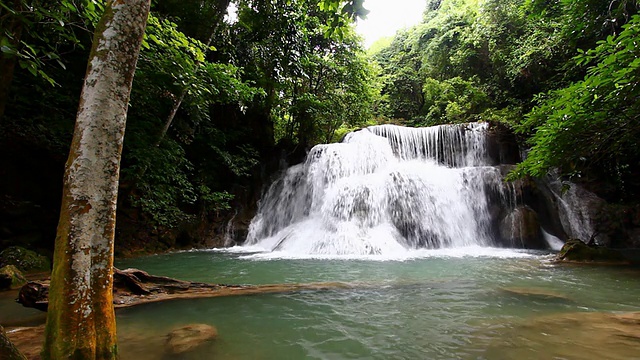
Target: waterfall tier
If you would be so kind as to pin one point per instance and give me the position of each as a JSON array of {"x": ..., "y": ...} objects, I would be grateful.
[{"x": 386, "y": 189}]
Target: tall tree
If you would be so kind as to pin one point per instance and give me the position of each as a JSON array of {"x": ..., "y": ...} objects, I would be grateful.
[{"x": 81, "y": 320}]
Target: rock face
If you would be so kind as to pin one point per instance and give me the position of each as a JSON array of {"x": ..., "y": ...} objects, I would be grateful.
[
  {"x": 189, "y": 337},
  {"x": 575, "y": 250},
  {"x": 502, "y": 145},
  {"x": 25, "y": 260},
  {"x": 11, "y": 278},
  {"x": 577, "y": 209}
]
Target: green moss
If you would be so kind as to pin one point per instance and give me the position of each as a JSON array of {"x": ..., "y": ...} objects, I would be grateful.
[
  {"x": 11, "y": 277},
  {"x": 25, "y": 260},
  {"x": 577, "y": 251}
]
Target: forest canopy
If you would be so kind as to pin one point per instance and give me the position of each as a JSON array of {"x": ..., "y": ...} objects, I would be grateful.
[{"x": 219, "y": 105}]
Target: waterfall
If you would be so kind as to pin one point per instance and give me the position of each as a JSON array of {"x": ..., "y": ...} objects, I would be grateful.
[{"x": 385, "y": 189}]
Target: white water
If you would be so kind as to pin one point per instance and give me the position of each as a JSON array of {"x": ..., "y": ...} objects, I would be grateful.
[
  {"x": 385, "y": 191},
  {"x": 553, "y": 242}
]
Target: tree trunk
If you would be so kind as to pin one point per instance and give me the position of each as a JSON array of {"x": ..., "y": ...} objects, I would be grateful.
[
  {"x": 167, "y": 123},
  {"x": 81, "y": 320}
]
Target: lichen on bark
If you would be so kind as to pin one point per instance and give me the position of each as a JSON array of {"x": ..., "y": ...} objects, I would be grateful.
[{"x": 81, "y": 321}]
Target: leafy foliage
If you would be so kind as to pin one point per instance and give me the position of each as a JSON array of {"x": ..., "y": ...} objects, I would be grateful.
[
  {"x": 313, "y": 83},
  {"x": 494, "y": 60},
  {"x": 591, "y": 127},
  {"x": 453, "y": 101},
  {"x": 35, "y": 31},
  {"x": 173, "y": 70}
]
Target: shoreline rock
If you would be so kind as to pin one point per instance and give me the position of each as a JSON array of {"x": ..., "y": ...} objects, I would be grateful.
[
  {"x": 576, "y": 251},
  {"x": 11, "y": 278}
]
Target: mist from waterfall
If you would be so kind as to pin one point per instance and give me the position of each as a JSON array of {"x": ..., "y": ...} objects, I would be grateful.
[{"x": 385, "y": 190}]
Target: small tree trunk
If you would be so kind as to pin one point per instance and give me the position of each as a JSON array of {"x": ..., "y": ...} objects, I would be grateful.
[
  {"x": 221, "y": 10},
  {"x": 167, "y": 123},
  {"x": 8, "y": 351},
  {"x": 81, "y": 320}
]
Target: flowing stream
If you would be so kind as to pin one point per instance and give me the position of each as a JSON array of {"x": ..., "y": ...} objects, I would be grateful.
[{"x": 443, "y": 304}]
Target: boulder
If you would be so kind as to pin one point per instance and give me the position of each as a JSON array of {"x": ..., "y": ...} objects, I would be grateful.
[
  {"x": 25, "y": 260},
  {"x": 34, "y": 295},
  {"x": 189, "y": 337},
  {"x": 11, "y": 278},
  {"x": 574, "y": 250},
  {"x": 520, "y": 228}
]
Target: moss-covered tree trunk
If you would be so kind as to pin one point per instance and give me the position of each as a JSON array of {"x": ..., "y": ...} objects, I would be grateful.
[{"x": 80, "y": 320}]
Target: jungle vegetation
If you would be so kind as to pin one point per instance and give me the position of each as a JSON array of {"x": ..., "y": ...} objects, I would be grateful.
[{"x": 219, "y": 103}]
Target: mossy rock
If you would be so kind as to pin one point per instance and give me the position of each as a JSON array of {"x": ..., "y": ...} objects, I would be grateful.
[
  {"x": 11, "y": 278},
  {"x": 25, "y": 260},
  {"x": 575, "y": 250}
]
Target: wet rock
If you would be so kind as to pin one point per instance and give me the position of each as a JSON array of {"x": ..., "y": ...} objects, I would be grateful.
[
  {"x": 11, "y": 278},
  {"x": 189, "y": 337},
  {"x": 577, "y": 209},
  {"x": 520, "y": 228},
  {"x": 575, "y": 250},
  {"x": 34, "y": 295},
  {"x": 25, "y": 260},
  {"x": 502, "y": 144}
]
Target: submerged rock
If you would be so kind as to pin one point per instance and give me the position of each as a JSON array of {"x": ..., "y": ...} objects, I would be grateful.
[
  {"x": 11, "y": 278},
  {"x": 574, "y": 250},
  {"x": 536, "y": 293},
  {"x": 581, "y": 335},
  {"x": 189, "y": 337},
  {"x": 25, "y": 260}
]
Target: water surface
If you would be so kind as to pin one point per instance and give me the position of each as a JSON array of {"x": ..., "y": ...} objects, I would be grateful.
[{"x": 438, "y": 304}]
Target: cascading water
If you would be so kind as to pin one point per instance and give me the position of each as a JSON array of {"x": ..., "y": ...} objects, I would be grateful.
[{"x": 385, "y": 189}]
